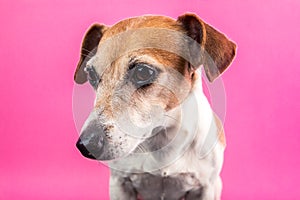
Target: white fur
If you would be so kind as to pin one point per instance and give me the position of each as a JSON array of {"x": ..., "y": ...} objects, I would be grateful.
[{"x": 206, "y": 166}]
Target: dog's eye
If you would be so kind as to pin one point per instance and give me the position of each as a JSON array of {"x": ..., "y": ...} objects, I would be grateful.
[
  {"x": 92, "y": 76},
  {"x": 143, "y": 75}
]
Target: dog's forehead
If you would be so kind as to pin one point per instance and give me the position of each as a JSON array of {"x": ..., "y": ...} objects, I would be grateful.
[
  {"x": 157, "y": 33},
  {"x": 143, "y": 22}
]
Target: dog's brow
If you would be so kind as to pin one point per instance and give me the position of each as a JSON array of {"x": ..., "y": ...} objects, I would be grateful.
[
  {"x": 132, "y": 60},
  {"x": 137, "y": 62},
  {"x": 144, "y": 58}
]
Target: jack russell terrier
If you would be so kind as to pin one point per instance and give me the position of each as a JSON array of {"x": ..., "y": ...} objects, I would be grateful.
[{"x": 151, "y": 122}]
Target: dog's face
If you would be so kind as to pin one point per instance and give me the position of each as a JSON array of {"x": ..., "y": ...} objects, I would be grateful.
[{"x": 141, "y": 69}]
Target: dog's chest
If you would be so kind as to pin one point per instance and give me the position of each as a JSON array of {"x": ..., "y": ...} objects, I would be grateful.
[{"x": 174, "y": 187}]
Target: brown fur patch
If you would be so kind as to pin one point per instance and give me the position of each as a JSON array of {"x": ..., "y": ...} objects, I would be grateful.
[
  {"x": 143, "y": 22},
  {"x": 88, "y": 49},
  {"x": 219, "y": 51},
  {"x": 165, "y": 95}
]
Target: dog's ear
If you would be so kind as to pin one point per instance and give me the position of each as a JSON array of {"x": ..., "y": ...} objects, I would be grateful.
[
  {"x": 217, "y": 50},
  {"x": 88, "y": 49}
]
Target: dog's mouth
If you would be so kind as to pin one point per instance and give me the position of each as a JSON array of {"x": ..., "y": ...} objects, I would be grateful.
[
  {"x": 93, "y": 153},
  {"x": 96, "y": 147},
  {"x": 102, "y": 152}
]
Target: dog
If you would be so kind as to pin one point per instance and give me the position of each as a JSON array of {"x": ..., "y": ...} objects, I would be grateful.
[{"x": 151, "y": 122}]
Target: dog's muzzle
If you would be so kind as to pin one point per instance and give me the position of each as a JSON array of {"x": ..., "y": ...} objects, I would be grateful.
[{"x": 91, "y": 142}]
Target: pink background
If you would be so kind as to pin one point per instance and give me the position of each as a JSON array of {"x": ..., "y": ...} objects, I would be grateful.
[{"x": 40, "y": 43}]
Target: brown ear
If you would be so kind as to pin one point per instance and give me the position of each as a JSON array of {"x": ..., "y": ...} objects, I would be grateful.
[
  {"x": 218, "y": 52},
  {"x": 88, "y": 49}
]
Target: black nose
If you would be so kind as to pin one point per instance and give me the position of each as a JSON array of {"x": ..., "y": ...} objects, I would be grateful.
[{"x": 90, "y": 144}]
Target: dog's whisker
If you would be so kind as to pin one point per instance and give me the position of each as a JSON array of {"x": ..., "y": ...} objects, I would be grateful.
[
  {"x": 87, "y": 50},
  {"x": 141, "y": 149},
  {"x": 86, "y": 55}
]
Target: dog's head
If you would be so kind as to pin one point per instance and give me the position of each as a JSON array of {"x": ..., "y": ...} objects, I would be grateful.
[{"x": 142, "y": 68}]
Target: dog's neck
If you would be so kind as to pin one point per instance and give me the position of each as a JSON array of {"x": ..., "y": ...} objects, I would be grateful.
[
  {"x": 189, "y": 125},
  {"x": 197, "y": 125}
]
